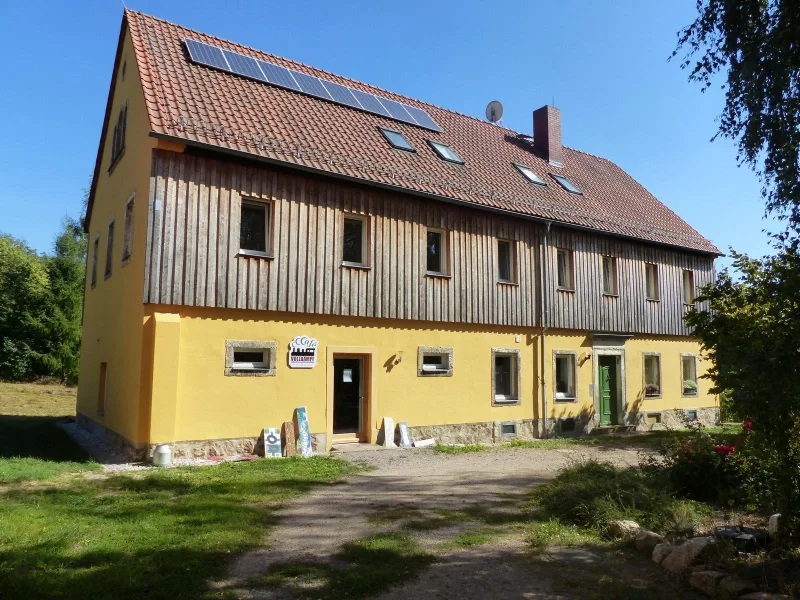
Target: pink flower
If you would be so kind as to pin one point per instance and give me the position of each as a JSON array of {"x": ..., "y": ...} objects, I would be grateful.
[{"x": 748, "y": 424}]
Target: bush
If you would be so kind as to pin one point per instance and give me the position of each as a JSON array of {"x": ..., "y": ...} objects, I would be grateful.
[{"x": 593, "y": 494}]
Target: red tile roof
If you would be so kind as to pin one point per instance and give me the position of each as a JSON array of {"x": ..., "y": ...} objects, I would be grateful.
[{"x": 201, "y": 105}]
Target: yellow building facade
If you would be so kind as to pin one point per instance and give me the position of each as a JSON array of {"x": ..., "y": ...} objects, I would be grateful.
[{"x": 190, "y": 337}]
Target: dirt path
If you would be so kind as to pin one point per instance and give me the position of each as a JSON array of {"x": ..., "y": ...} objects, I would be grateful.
[{"x": 434, "y": 497}]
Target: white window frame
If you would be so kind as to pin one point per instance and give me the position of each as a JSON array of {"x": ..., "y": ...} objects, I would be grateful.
[
  {"x": 268, "y": 220},
  {"x": 614, "y": 289},
  {"x": 265, "y": 368},
  {"x": 655, "y": 296},
  {"x": 364, "y": 237},
  {"x": 687, "y": 356},
  {"x": 569, "y": 286},
  {"x": 445, "y": 252},
  {"x": 445, "y": 352},
  {"x": 516, "y": 375},
  {"x": 688, "y": 299},
  {"x": 512, "y": 257},
  {"x": 574, "y": 361},
  {"x": 645, "y": 356},
  {"x": 127, "y": 234}
]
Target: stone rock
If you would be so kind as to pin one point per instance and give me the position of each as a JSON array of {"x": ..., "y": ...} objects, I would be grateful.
[
  {"x": 706, "y": 581},
  {"x": 774, "y": 524},
  {"x": 624, "y": 529},
  {"x": 764, "y": 596},
  {"x": 688, "y": 554},
  {"x": 731, "y": 587},
  {"x": 662, "y": 551},
  {"x": 645, "y": 541}
]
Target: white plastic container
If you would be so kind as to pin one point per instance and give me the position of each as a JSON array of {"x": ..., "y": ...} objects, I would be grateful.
[{"x": 162, "y": 455}]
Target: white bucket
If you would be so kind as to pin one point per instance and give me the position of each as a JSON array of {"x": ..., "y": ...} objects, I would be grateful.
[{"x": 162, "y": 455}]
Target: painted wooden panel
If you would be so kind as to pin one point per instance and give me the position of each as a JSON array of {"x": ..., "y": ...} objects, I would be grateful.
[{"x": 193, "y": 259}]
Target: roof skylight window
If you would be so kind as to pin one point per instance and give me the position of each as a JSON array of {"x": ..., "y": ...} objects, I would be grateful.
[
  {"x": 397, "y": 140},
  {"x": 446, "y": 152},
  {"x": 566, "y": 184},
  {"x": 529, "y": 175}
]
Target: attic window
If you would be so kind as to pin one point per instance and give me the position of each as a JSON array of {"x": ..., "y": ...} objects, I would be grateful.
[
  {"x": 530, "y": 175},
  {"x": 445, "y": 152},
  {"x": 566, "y": 184},
  {"x": 397, "y": 140}
]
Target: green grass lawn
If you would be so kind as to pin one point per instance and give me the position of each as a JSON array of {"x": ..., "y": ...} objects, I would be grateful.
[
  {"x": 157, "y": 534},
  {"x": 31, "y": 446}
]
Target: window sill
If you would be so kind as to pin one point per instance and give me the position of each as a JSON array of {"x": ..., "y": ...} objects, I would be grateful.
[
  {"x": 653, "y": 299},
  {"x": 652, "y": 397},
  {"x": 567, "y": 290},
  {"x": 350, "y": 265},
  {"x": 501, "y": 402},
  {"x": 511, "y": 283},
  {"x": 116, "y": 161},
  {"x": 254, "y": 254},
  {"x": 689, "y": 304},
  {"x": 607, "y": 295},
  {"x": 434, "y": 275},
  {"x": 446, "y": 373},
  {"x": 690, "y": 395},
  {"x": 230, "y": 372},
  {"x": 565, "y": 400}
]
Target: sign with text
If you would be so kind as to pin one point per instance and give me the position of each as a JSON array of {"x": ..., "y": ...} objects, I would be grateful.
[{"x": 302, "y": 352}]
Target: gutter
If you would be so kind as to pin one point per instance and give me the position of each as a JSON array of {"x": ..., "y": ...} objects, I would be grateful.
[{"x": 545, "y": 320}]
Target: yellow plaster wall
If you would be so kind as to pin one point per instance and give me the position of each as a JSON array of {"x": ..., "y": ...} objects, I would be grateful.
[
  {"x": 670, "y": 348},
  {"x": 113, "y": 310},
  {"x": 211, "y": 405}
]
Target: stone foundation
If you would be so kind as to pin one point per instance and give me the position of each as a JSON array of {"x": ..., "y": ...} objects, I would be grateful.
[
  {"x": 487, "y": 432},
  {"x": 185, "y": 449}
]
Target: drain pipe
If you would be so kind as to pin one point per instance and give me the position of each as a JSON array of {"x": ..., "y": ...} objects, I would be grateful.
[{"x": 545, "y": 321}]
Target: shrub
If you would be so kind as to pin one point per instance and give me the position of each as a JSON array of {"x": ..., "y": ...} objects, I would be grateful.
[{"x": 592, "y": 494}]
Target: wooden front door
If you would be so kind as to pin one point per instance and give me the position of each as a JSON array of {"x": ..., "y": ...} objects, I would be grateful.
[
  {"x": 348, "y": 399},
  {"x": 608, "y": 390}
]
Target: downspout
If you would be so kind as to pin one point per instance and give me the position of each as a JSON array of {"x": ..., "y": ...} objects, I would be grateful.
[{"x": 545, "y": 321}]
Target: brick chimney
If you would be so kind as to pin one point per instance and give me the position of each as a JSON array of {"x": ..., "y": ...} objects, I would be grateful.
[{"x": 547, "y": 134}]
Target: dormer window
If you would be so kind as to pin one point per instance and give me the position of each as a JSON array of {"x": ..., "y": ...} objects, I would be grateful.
[
  {"x": 118, "y": 141},
  {"x": 529, "y": 174},
  {"x": 445, "y": 152},
  {"x": 397, "y": 140},
  {"x": 567, "y": 184}
]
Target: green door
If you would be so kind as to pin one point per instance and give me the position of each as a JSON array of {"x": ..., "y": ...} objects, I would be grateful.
[{"x": 608, "y": 390}]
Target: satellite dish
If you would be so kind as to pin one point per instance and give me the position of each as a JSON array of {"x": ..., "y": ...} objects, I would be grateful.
[{"x": 494, "y": 111}]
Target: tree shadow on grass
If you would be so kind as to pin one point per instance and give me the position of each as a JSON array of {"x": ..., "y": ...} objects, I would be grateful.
[{"x": 39, "y": 438}]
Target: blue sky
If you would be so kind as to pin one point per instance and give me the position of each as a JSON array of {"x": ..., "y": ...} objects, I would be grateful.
[{"x": 604, "y": 64}]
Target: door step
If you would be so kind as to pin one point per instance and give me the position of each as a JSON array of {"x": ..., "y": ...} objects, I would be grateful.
[{"x": 609, "y": 429}]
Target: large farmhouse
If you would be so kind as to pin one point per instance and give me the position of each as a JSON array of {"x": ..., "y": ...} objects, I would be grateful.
[{"x": 265, "y": 235}]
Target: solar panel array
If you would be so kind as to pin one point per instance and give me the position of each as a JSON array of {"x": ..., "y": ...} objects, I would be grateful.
[{"x": 267, "y": 72}]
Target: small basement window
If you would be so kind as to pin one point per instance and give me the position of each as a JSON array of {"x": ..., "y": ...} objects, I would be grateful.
[
  {"x": 508, "y": 429},
  {"x": 435, "y": 361},
  {"x": 249, "y": 357},
  {"x": 566, "y": 184},
  {"x": 529, "y": 174},
  {"x": 446, "y": 152},
  {"x": 397, "y": 140}
]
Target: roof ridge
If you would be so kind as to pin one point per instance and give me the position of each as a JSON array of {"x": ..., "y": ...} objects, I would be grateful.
[{"x": 335, "y": 75}]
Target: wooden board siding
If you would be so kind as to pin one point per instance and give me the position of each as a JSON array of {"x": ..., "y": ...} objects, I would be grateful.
[
  {"x": 587, "y": 308},
  {"x": 192, "y": 250},
  {"x": 193, "y": 240}
]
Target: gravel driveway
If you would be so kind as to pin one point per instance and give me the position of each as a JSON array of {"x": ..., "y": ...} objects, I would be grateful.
[{"x": 418, "y": 483}]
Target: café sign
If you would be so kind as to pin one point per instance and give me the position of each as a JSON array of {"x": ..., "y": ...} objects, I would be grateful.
[{"x": 302, "y": 352}]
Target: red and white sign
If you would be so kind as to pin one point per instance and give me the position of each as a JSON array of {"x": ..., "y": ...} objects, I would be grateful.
[{"x": 302, "y": 352}]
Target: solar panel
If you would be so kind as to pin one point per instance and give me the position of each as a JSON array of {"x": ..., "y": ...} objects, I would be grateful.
[
  {"x": 342, "y": 94},
  {"x": 397, "y": 110},
  {"x": 207, "y": 55},
  {"x": 422, "y": 118},
  {"x": 278, "y": 75},
  {"x": 370, "y": 103},
  {"x": 244, "y": 65},
  {"x": 311, "y": 85},
  {"x": 233, "y": 62}
]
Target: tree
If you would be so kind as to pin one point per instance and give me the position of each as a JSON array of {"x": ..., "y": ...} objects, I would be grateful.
[
  {"x": 757, "y": 44},
  {"x": 62, "y": 321},
  {"x": 751, "y": 332}
]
